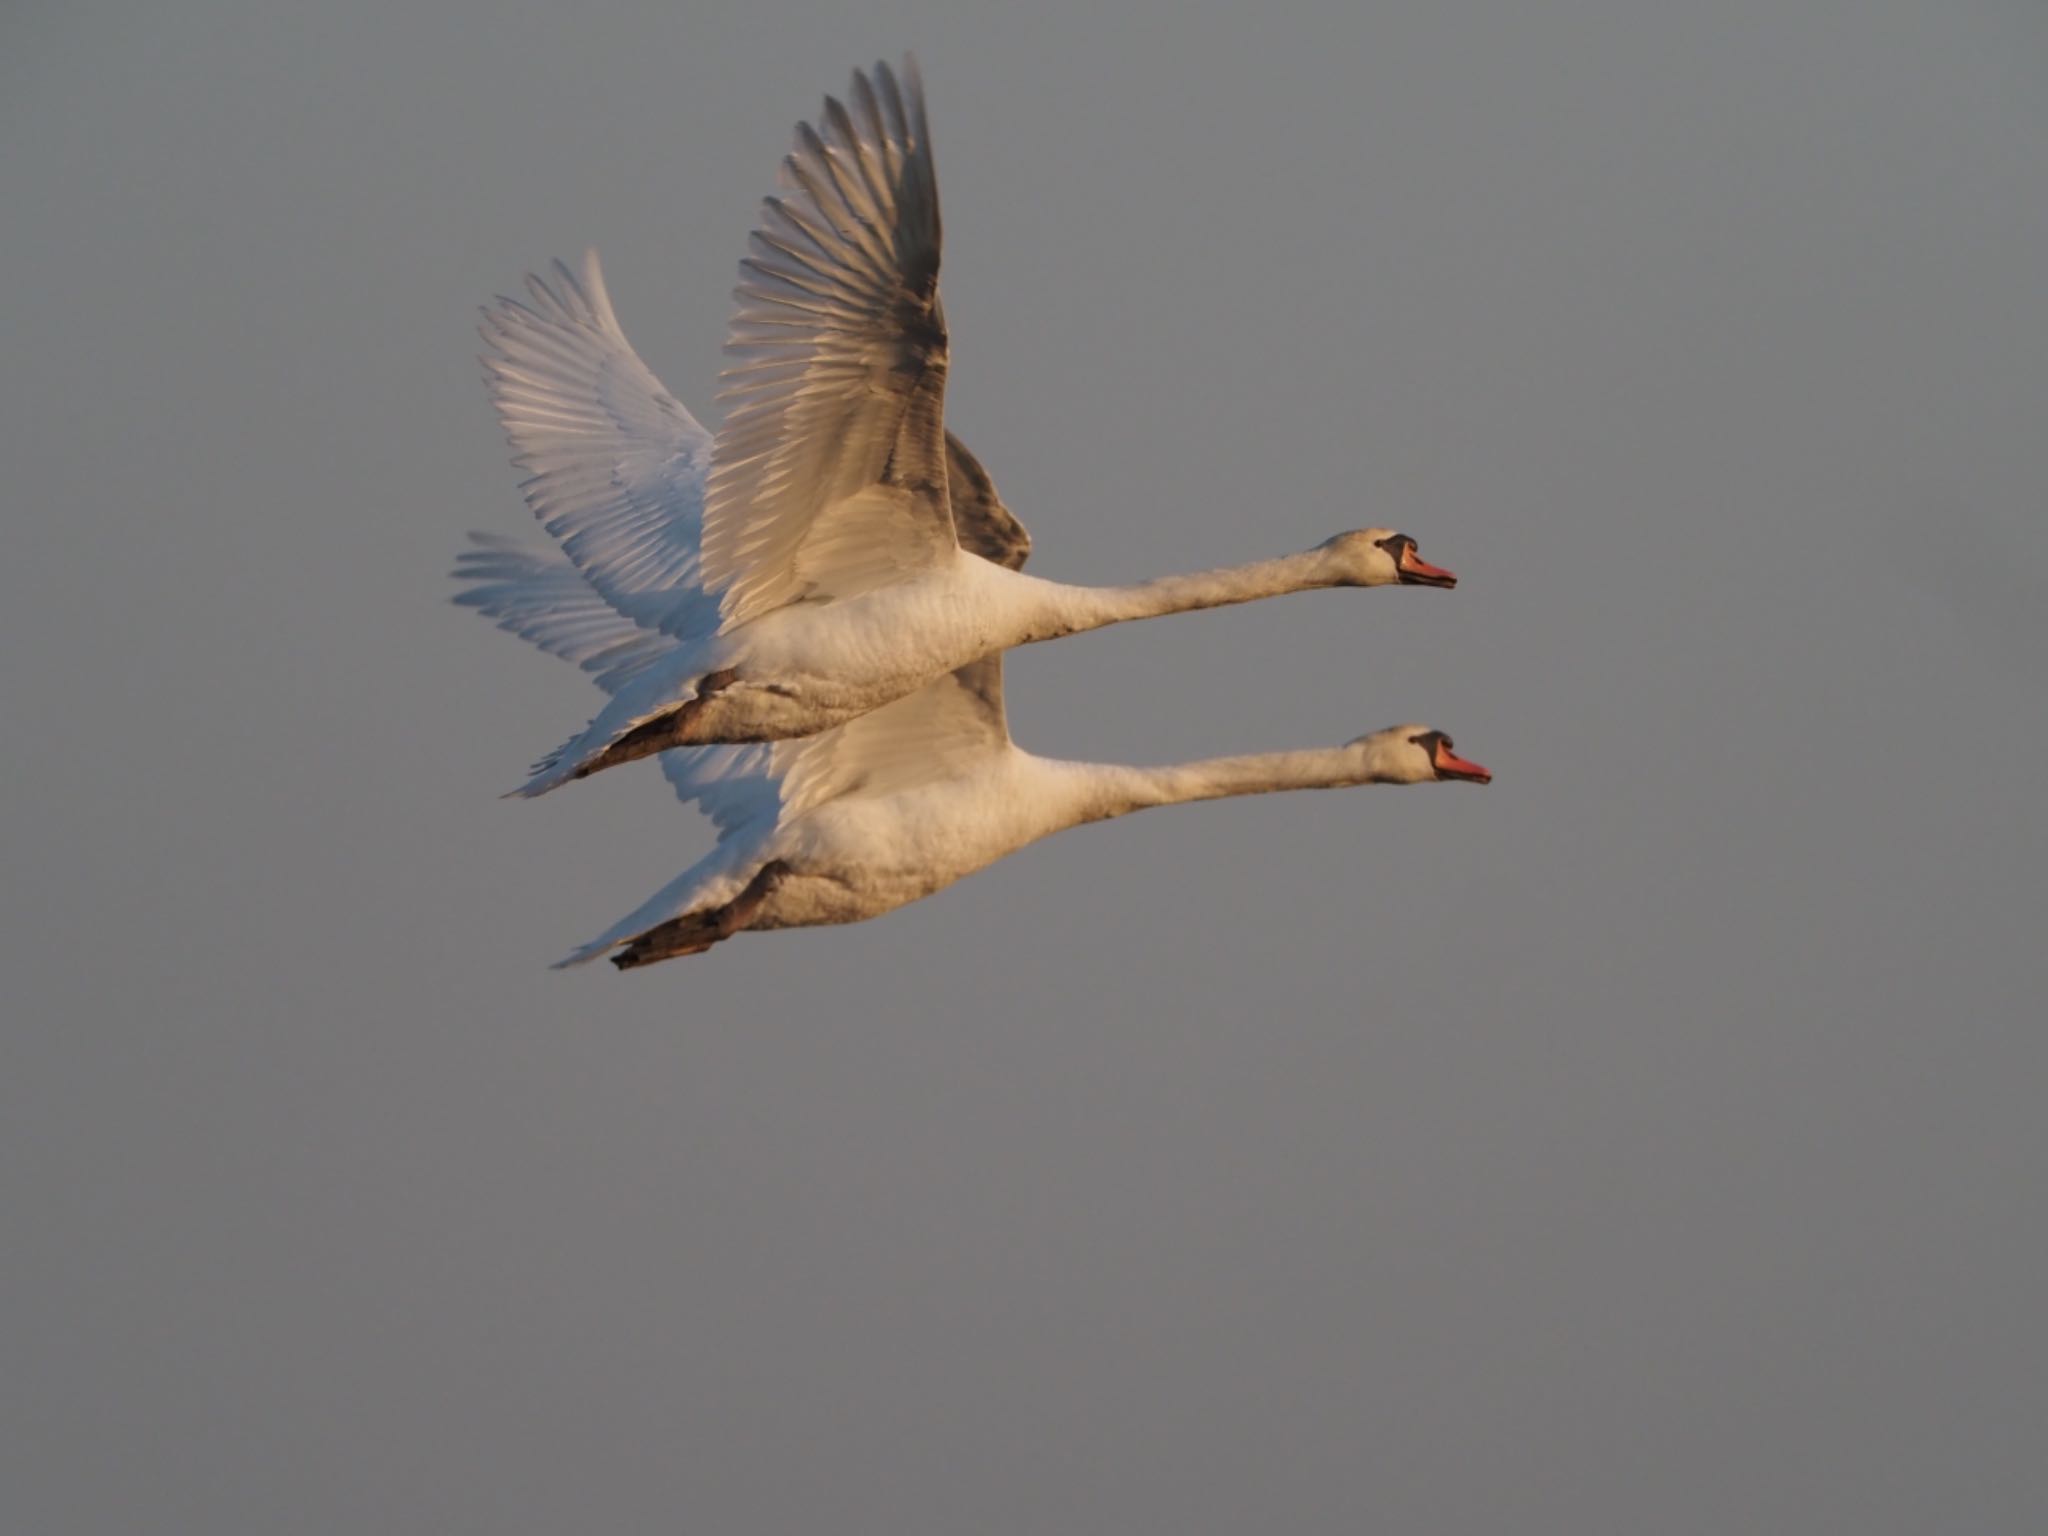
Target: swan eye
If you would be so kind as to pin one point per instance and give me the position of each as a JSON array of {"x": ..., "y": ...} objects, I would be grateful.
[{"x": 1395, "y": 544}]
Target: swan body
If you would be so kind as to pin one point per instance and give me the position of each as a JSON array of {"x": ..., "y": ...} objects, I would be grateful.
[{"x": 806, "y": 566}]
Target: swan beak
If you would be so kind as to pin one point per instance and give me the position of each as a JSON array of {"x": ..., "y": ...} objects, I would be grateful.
[
  {"x": 1418, "y": 572},
  {"x": 1451, "y": 766}
]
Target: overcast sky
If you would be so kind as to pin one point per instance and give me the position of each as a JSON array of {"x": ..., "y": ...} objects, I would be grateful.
[{"x": 1650, "y": 1142}]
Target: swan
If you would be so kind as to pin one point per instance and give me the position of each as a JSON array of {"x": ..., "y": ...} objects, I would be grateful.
[
  {"x": 907, "y": 799},
  {"x": 806, "y": 562},
  {"x": 896, "y": 804}
]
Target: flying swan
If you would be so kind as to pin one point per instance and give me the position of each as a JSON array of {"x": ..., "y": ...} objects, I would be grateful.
[
  {"x": 805, "y": 565},
  {"x": 896, "y": 804}
]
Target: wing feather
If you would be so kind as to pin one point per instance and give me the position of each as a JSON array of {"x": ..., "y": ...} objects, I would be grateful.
[
  {"x": 540, "y": 596},
  {"x": 940, "y": 731},
  {"x": 615, "y": 466},
  {"x": 829, "y": 476}
]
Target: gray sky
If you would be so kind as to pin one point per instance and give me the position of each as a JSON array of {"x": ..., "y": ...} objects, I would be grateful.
[{"x": 1651, "y": 1142}]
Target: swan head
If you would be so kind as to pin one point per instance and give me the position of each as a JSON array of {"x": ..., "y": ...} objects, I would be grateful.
[
  {"x": 1415, "y": 754},
  {"x": 1380, "y": 557}
]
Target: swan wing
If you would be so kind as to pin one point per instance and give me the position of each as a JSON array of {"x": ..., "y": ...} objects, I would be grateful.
[
  {"x": 541, "y": 597},
  {"x": 735, "y": 786},
  {"x": 615, "y": 466},
  {"x": 985, "y": 526},
  {"x": 829, "y": 475},
  {"x": 538, "y": 595},
  {"x": 946, "y": 729}
]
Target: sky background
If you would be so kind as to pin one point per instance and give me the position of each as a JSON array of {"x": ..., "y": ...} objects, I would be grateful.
[{"x": 1650, "y": 1142}]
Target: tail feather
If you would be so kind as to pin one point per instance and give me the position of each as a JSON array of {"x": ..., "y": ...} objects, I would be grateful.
[
  {"x": 559, "y": 767},
  {"x": 709, "y": 883},
  {"x": 623, "y": 732},
  {"x": 658, "y": 931},
  {"x": 691, "y": 934}
]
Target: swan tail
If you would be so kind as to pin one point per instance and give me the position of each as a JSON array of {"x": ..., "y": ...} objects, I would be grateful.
[
  {"x": 686, "y": 917},
  {"x": 598, "y": 746},
  {"x": 624, "y": 732},
  {"x": 691, "y": 934}
]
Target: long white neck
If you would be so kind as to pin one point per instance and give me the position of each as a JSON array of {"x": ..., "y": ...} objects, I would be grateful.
[
  {"x": 1066, "y": 610},
  {"x": 1102, "y": 790}
]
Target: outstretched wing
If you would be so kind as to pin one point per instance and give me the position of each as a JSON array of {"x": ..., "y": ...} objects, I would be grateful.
[
  {"x": 829, "y": 476},
  {"x": 615, "y": 467}
]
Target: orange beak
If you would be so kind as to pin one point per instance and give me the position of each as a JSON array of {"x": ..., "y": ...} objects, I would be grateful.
[
  {"x": 1451, "y": 766},
  {"x": 1418, "y": 572}
]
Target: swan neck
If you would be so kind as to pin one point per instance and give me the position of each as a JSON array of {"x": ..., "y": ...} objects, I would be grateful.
[
  {"x": 1076, "y": 609},
  {"x": 1119, "y": 789}
]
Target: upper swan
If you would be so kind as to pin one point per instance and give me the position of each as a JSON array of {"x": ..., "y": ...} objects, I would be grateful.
[{"x": 805, "y": 565}]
